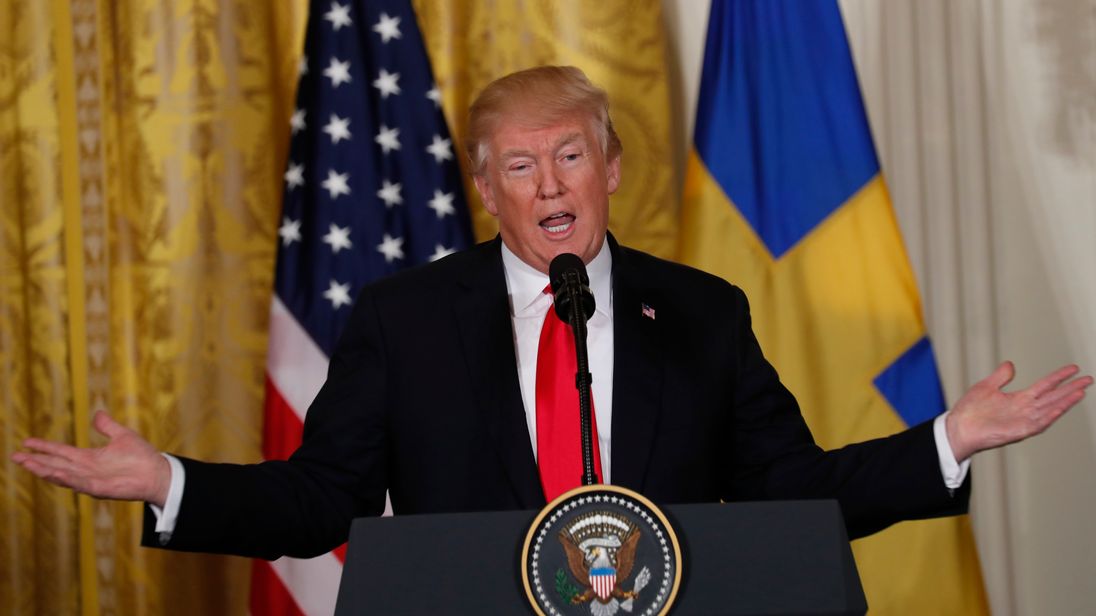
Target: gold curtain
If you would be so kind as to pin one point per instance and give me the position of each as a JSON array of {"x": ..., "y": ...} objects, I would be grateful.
[
  {"x": 619, "y": 44},
  {"x": 141, "y": 150},
  {"x": 142, "y": 144}
]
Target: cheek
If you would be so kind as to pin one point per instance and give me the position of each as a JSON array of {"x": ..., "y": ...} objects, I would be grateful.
[
  {"x": 512, "y": 202},
  {"x": 509, "y": 216}
]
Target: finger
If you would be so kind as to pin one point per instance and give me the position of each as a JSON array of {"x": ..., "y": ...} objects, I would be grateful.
[
  {"x": 1065, "y": 396},
  {"x": 64, "y": 473},
  {"x": 47, "y": 467},
  {"x": 35, "y": 467},
  {"x": 65, "y": 479},
  {"x": 1052, "y": 380},
  {"x": 1077, "y": 384},
  {"x": 60, "y": 450},
  {"x": 1053, "y": 413},
  {"x": 47, "y": 461},
  {"x": 1001, "y": 376},
  {"x": 106, "y": 425}
]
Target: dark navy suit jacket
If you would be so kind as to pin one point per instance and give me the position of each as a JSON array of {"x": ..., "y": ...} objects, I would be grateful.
[{"x": 422, "y": 399}]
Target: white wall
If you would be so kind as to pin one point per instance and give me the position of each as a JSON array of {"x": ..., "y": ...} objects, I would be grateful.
[{"x": 984, "y": 114}]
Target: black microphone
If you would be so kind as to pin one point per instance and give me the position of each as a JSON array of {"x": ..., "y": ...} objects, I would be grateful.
[
  {"x": 573, "y": 299},
  {"x": 567, "y": 274}
]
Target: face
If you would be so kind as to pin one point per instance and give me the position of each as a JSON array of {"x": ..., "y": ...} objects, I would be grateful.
[{"x": 549, "y": 188}]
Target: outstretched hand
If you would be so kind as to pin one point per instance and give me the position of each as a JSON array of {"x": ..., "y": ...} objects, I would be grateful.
[
  {"x": 986, "y": 417},
  {"x": 127, "y": 468}
]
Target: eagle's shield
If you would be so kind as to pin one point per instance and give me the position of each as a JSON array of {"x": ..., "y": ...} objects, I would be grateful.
[{"x": 603, "y": 580}]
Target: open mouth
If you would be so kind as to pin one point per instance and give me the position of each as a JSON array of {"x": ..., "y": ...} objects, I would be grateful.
[{"x": 558, "y": 223}]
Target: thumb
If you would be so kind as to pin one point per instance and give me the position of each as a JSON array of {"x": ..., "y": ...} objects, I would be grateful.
[
  {"x": 106, "y": 426},
  {"x": 1002, "y": 375}
]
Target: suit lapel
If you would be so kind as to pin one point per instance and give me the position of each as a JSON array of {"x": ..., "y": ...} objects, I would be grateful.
[
  {"x": 483, "y": 314},
  {"x": 637, "y": 375}
]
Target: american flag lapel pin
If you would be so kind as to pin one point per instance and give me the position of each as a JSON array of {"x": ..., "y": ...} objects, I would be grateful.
[{"x": 648, "y": 312}]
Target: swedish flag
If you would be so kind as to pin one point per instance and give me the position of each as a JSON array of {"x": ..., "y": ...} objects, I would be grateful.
[{"x": 785, "y": 198}]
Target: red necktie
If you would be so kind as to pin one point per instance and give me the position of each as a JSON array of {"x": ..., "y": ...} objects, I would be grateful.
[{"x": 559, "y": 444}]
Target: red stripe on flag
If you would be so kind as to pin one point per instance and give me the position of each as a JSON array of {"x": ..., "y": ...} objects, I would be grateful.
[
  {"x": 282, "y": 429},
  {"x": 269, "y": 597},
  {"x": 281, "y": 436}
]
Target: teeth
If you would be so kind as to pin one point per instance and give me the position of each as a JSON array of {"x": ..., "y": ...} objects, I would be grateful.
[
  {"x": 559, "y": 228},
  {"x": 564, "y": 219}
]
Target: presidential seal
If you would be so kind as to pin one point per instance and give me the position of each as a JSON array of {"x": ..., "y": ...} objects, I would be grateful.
[{"x": 601, "y": 550}]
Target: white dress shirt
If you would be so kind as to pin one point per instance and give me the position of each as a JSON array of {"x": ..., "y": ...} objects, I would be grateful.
[{"x": 529, "y": 305}]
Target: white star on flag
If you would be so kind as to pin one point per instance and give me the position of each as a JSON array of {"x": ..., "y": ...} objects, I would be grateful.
[
  {"x": 302, "y": 66},
  {"x": 441, "y": 251},
  {"x": 339, "y": 294},
  {"x": 296, "y": 122},
  {"x": 338, "y": 72},
  {"x": 338, "y": 238},
  {"x": 339, "y": 16},
  {"x": 442, "y": 203},
  {"x": 391, "y": 248},
  {"x": 440, "y": 149},
  {"x": 390, "y": 194},
  {"x": 294, "y": 175},
  {"x": 338, "y": 128},
  {"x": 290, "y": 231},
  {"x": 434, "y": 94},
  {"x": 387, "y": 27},
  {"x": 387, "y": 83},
  {"x": 388, "y": 138},
  {"x": 335, "y": 184}
]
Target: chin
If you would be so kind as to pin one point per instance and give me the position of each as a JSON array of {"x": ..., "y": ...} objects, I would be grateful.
[{"x": 575, "y": 250}]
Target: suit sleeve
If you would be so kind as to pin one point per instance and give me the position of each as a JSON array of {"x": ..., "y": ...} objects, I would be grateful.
[
  {"x": 773, "y": 455},
  {"x": 301, "y": 507}
]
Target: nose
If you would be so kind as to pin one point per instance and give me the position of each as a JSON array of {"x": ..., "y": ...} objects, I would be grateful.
[{"x": 548, "y": 184}]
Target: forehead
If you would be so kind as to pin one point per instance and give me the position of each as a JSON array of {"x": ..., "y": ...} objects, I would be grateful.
[{"x": 512, "y": 135}]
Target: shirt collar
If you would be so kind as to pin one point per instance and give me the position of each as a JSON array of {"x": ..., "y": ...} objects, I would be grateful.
[{"x": 526, "y": 285}]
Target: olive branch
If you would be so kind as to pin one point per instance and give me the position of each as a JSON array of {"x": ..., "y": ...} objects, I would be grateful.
[{"x": 567, "y": 591}]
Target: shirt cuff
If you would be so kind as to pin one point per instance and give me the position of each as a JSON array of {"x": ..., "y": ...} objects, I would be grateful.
[
  {"x": 165, "y": 518},
  {"x": 954, "y": 473}
]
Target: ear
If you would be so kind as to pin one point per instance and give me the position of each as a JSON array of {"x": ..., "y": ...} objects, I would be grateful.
[
  {"x": 612, "y": 173},
  {"x": 483, "y": 187}
]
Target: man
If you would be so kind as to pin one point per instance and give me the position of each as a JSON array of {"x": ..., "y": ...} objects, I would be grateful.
[{"x": 687, "y": 406}]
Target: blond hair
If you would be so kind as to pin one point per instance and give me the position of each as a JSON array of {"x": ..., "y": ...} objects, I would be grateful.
[{"x": 539, "y": 97}]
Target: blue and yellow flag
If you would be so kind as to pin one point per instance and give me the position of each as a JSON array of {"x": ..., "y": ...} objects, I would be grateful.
[{"x": 785, "y": 198}]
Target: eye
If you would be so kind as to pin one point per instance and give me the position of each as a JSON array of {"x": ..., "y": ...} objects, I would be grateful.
[
  {"x": 519, "y": 169},
  {"x": 571, "y": 157}
]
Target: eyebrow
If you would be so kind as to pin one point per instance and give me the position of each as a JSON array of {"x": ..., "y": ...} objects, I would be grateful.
[{"x": 567, "y": 139}]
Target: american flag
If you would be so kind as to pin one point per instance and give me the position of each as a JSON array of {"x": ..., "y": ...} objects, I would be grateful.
[{"x": 372, "y": 186}]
